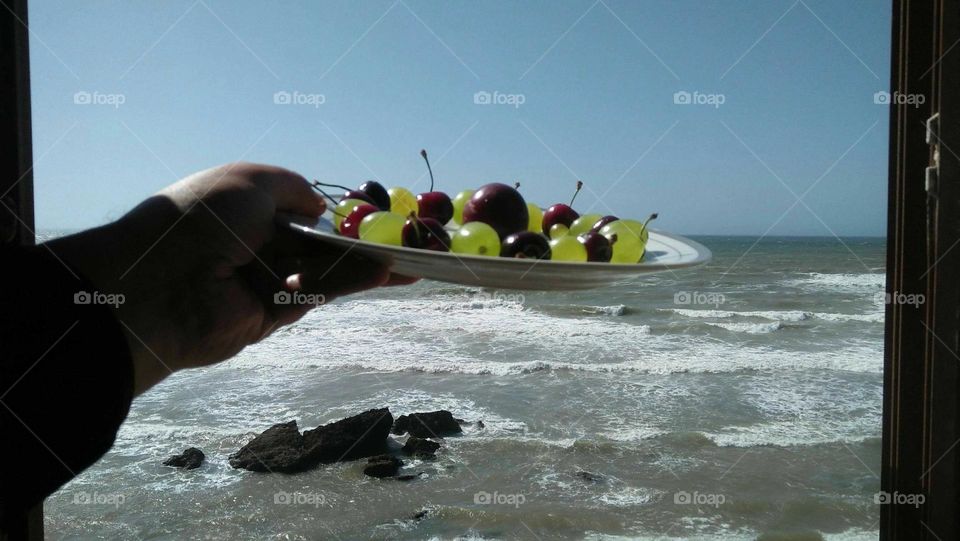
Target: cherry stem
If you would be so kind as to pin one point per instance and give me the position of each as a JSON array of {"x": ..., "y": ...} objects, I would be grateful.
[
  {"x": 316, "y": 186},
  {"x": 344, "y": 188},
  {"x": 650, "y": 219},
  {"x": 579, "y": 185},
  {"x": 516, "y": 185},
  {"x": 424, "y": 154}
]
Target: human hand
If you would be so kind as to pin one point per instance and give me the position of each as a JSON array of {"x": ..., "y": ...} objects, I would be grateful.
[{"x": 200, "y": 262}]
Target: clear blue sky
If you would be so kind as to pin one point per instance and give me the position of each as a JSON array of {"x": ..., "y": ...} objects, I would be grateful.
[{"x": 597, "y": 80}]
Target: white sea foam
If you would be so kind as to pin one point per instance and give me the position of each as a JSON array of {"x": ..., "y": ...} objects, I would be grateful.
[
  {"x": 615, "y": 310},
  {"x": 502, "y": 338},
  {"x": 841, "y": 282},
  {"x": 749, "y": 328},
  {"x": 623, "y": 496},
  {"x": 779, "y": 315}
]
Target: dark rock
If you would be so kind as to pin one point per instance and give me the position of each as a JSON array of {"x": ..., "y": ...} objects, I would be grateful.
[
  {"x": 281, "y": 448},
  {"x": 420, "y": 447},
  {"x": 355, "y": 437},
  {"x": 408, "y": 477},
  {"x": 480, "y": 425},
  {"x": 382, "y": 466},
  {"x": 590, "y": 477},
  {"x": 421, "y": 514},
  {"x": 190, "y": 458},
  {"x": 277, "y": 449},
  {"x": 432, "y": 424}
]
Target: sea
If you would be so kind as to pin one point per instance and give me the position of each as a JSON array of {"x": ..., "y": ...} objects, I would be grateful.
[{"x": 738, "y": 400}]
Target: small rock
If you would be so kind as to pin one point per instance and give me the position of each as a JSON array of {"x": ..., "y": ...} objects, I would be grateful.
[
  {"x": 190, "y": 458},
  {"x": 590, "y": 477},
  {"x": 480, "y": 425},
  {"x": 421, "y": 514},
  {"x": 420, "y": 447},
  {"x": 382, "y": 466},
  {"x": 431, "y": 424},
  {"x": 408, "y": 477}
]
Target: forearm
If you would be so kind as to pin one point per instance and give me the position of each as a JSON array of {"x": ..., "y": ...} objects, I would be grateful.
[{"x": 65, "y": 376}]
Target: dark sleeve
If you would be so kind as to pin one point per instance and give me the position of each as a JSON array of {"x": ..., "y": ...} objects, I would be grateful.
[{"x": 66, "y": 376}]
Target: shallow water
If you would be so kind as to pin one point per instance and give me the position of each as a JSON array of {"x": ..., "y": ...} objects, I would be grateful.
[{"x": 758, "y": 401}]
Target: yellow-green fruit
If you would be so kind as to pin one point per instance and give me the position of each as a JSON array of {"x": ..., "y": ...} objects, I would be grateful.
[
  {"x": 382, "y": 227},
  {"x": 627, "y": 248},
  {"x": 584, "y": 223},
  {"x": 567, "y": 248},
  {"x": 475, "y": 238},
  {"x": 536, "y": 218},
  {"x": 402, "y": 202},
  {"x": 638, "y": 228},
  {"x": 458, "y": 203},
  {"x": 344, "y": 208},
  {"x": 557, "y": 231}
]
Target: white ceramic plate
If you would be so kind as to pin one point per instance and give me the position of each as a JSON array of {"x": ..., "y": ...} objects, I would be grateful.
[{"x": 665, "y": 251}]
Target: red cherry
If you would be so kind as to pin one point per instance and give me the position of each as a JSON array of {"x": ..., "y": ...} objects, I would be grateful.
[
  {"x": 499, "y": 206},
  {"x": 350, "y": 226}
]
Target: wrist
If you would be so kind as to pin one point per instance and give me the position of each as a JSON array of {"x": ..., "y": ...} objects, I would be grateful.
[{"x": 113, "y": 259}]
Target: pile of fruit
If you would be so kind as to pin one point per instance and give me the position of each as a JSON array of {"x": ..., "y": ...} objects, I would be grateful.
[{"x": 493, "y": 220}]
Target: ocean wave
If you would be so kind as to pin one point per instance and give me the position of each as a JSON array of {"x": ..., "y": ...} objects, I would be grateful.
[
  {"x": 615, "y": 310},
  {"x": 779, "y": 315},
  {"x": 716, "y": 359},
  {"x": 869, "y": 282},
  {"x": 793, "y": 433},
  {"x": 749, "y": 328}
]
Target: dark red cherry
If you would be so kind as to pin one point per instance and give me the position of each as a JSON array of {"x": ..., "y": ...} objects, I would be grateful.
[
  {"x": 425, "y": 233},
  {"x": 598, "y": 247},
  {"x": 436, "y": 205},
  {"x": 560, "y": 213},
  {"x": 526, "y": 244},
  {"x": 499, "y": 206},
  {"x": 377, "y": 192},
  {"x": 603, "y": 221}
]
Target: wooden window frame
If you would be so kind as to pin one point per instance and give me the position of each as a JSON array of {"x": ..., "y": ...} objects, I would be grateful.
[{"x": 921, "y": 399}]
